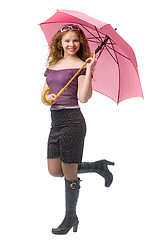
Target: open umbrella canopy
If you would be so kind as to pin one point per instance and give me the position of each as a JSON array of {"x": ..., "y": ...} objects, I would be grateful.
[{"x": 116, "y": 73}]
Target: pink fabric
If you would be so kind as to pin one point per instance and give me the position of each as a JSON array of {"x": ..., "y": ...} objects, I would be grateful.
[{"x": 117, "y": 79}]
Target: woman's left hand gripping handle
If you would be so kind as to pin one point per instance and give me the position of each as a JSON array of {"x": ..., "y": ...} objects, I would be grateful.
[{"x": 47, "y": 98}]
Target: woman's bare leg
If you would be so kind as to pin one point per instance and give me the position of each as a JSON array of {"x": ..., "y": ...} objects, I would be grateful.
[
  {"x": 70, "y": 171},
  {"x": 55, "y": 167}
]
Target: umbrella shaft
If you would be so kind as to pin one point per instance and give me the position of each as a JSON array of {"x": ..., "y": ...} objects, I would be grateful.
[{"x": 102, "y": 44}]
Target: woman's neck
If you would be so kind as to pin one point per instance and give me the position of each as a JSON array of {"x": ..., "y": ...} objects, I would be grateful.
[
  {"x": 68, "y": 62},
  {"x": 70, "y": 57}
]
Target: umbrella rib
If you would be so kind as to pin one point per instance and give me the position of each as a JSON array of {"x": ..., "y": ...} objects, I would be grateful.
[
  {"x": 111, "y": 54},
  {"x": 117, "y": 51},
  {"x": 93, "y": 41},
  {"x": 119, "y": 73},
  {"x": 90, "y": 32},
  {"x": 98, "y": 33}
]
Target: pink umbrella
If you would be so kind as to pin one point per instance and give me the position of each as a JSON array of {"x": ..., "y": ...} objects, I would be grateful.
[{"x": 116, "y": 73}]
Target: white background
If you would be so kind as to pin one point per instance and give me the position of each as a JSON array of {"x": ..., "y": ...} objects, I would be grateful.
[{"x": 32, "y": 202}]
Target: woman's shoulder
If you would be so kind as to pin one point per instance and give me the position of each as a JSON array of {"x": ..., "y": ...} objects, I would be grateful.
[{"x": 52, "y": 66}]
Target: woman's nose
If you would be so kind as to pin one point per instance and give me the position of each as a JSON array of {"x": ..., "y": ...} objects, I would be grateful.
[{"x": 71, "y": 43}]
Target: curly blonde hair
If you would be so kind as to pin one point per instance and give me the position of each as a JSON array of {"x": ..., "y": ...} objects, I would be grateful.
[{"x": 56, "y": 49}]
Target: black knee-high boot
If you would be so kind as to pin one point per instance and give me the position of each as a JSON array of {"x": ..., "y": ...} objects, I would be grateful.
[
  {"x": 100, "y": 167},
  {"x": 71, "y": 198}
]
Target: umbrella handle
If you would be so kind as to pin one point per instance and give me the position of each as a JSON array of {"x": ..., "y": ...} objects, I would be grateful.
[
  {"x": 44, "y": 96},
  {"x": 48, "y": 101},
  {"x": 62, "y": 90}
]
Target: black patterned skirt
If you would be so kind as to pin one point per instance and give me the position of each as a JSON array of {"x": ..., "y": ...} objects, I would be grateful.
[{"x": 67, "y": 134}]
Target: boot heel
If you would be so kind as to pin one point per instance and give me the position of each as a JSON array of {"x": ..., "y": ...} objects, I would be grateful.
[
  {"x": 109, "y": 180},
  {"x": 75, "y": 227}
]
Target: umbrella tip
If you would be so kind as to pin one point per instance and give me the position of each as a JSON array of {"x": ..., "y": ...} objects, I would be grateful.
[{"x": 57, "y": 10}]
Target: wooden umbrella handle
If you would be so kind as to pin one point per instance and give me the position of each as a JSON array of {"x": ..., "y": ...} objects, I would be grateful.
[{"x": 44, "y": 99}]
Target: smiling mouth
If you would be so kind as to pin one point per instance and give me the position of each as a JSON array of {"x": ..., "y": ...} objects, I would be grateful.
[{"x": 71, "y": 49}]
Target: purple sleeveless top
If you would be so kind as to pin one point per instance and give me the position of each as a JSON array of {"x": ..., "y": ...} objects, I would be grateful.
[{"x": 57, "y": 79}]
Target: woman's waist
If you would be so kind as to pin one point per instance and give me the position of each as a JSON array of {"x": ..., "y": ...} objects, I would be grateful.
[
  {"x": 59, "y": 107},
  {"x": 67, "y": 117},
  {"x": 66, "y": 100}
]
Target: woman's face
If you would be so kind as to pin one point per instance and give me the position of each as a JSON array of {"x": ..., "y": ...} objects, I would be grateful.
[{"x": 70, "y": 43}]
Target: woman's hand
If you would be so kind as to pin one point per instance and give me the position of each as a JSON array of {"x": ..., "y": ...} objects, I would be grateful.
[
  {"x": 91, "y": 62},
  {"x": 51, "y": 97}
]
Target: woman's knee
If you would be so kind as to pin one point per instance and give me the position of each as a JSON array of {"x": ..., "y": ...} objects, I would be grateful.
[
  {"x": 54, "y": 168},
  {"x": 55, "y": 172}
]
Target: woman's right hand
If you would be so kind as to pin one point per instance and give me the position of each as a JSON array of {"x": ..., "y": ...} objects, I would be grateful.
[{"x": 51, "y": 97}]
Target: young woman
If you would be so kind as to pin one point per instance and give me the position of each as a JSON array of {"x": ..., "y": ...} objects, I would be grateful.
[{"x": 68, "y": 52}]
